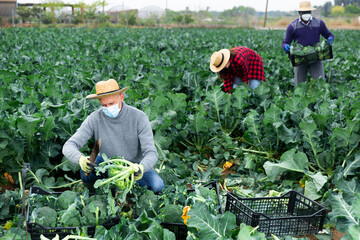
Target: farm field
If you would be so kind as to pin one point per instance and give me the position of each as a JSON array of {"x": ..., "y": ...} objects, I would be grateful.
[{"x": 303, "y": 137}]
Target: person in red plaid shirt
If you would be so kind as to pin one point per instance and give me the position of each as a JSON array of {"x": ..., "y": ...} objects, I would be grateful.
[{"x": 236, "y": 65}]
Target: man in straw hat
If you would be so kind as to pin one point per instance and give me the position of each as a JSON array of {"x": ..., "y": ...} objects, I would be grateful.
[
  {"x": 123, "y": 130},
  {"x": 306, "y": 31},
  {"x": 237, "y": 65}
]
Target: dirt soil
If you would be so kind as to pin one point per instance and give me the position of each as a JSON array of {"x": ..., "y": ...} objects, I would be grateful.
[{"x": 336, "y": 235}]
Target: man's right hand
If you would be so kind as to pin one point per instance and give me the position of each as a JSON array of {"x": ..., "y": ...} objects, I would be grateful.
[
  {"x": 287, "y": 48},
  {"x": 85, "y": 164}
]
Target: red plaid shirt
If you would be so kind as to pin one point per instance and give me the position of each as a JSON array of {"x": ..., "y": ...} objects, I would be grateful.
[{"x": 247, "y": 65}]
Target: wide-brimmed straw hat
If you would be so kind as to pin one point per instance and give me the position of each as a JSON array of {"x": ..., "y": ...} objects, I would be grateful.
[
  {"x": 305, "y": 6},
  {"x": 218, "y": 60},
  {"x": 106, "y": 88}
]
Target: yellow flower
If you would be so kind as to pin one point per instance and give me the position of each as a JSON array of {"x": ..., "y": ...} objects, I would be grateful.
[
  {"x": 184, "y": 216},
  {"x": 8, "y": 225},
  {"x": 302, "y": 184},
  {"x": 9, "y": 177},
  {"x": 227, "y": 165}
]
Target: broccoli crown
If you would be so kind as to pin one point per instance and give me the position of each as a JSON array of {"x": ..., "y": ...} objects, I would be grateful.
[
  {"x": 172, "y": 213},
  {"x": 45, "y": 216},
  {"x": 89, "y": 213},
  {"x": 66, "y": 198}
]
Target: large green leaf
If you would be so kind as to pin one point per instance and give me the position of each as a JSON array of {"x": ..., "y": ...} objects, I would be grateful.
[
  {"x": 247, "y": 232},
  {"x": 28, "y": 126},
  {"x": 353, "y": 233},
  {"x": 289, "y": 161},
  {"x": 240, "y": 97},
  {"x": 209, "y": 226},
  {"x": 294, "y": 104},
  {"x": 342, "y": 214},
  {"x": 252, "y": 122},
  {"x": 48, "y": 129},
  {"x": 349, "y": 189},
  {"x": 272, "y": 115},
  {"x": 314, "y": 185},
  {"x": 352, "y": 167}
]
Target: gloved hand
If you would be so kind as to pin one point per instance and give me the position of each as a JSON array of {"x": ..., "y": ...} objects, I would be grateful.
[
  {"x": 330, "y": 40},
  {"x": 85, "y": 164},
  {"x": 287, "y": 48},
  {"x": 139, "y": 174}
]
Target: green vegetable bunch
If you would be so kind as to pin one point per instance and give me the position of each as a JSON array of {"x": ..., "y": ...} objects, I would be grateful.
[
  {"x": 309, "y": 54},
  {"x": 120, "y": 175},
  {"x": 45, "y": 216}
]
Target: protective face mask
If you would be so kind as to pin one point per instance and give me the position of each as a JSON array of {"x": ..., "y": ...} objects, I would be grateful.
[
  {"x": 306, "y": 17},
  {"x": 111, "y": 111}
]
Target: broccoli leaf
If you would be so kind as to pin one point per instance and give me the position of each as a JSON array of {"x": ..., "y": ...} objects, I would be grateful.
[{"x": 210, "y": 226}]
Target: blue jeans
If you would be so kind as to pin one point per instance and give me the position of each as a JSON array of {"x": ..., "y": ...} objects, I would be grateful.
[
  {"x": 150, "y": 179},
  {"x": 252, "y": 83}
]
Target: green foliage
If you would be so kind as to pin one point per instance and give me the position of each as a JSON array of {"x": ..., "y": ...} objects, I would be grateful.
[
  {"x": 93, "y": 209},
  {"x": 183, "y": 19},
  {"x": 208, "y": 226},
  {"x": 70, "y": 217},
  {"x": 24, "y": 13},
  {"x": 352, "y": 9}
]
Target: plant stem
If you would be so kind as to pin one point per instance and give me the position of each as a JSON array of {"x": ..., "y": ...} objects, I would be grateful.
[
  {"x": 343, "y": 164},
  {"x": 66, "y": 185},
  {"x": 57, "y": 166},
  {"x": 36, "y": 179}
]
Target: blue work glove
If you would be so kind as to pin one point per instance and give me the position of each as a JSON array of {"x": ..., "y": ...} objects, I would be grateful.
[
  {"x": 287, "y": 48},
  {"x": 330, "y": 40}
]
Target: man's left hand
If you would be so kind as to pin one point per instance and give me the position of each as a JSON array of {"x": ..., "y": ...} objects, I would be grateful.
[
  {"x": 330, "y": 40},
  {"x": 139, "y": 174}
]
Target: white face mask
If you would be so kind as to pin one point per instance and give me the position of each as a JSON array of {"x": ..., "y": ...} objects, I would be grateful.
[
  {"x": 111, "y": 111},
  {"x": 306, "y": 17}
]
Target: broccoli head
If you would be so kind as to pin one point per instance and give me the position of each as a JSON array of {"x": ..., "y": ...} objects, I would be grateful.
[
  {"x": 45, "y": 216},
  {"x": 66, "y": 198},
  {"x": 172, "y": 213}
]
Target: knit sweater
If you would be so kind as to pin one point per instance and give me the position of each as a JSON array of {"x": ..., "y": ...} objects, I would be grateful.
[
  {"x": 306, "y": 35},
  {"x": 129, "y": 135}
]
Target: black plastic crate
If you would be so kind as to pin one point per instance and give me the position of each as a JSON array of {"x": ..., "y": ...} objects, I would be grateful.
[
  {"x": 180, "y": 229},
  {"x": 310, "y": 58},
  {"x": 289, "y": 214},
  {"x": 36, "y": 230}
]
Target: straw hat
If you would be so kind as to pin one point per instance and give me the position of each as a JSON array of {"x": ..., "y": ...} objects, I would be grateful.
[
  {"x": 305, "y": 6},
  {"x": 218, "y": 60},
  {"x": 106, "y": 88}
]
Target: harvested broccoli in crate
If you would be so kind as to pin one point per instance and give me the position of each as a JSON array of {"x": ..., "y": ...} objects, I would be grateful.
[{"x": 309, "y": 54}]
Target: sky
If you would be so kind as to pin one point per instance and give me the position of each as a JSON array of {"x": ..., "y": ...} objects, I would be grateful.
[
  {"x": 215, "y": 5},
  {"x": 196, "y": 5}
]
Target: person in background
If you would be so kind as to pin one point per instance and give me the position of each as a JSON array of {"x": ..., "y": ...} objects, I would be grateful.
[
  {"x": 124, "y": 131},
  {"x": 237, "y": 65},
  {"x": 306, "y": 30}
]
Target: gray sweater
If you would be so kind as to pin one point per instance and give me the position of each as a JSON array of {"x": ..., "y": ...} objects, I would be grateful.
[{"x": 129, "y": 135}]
